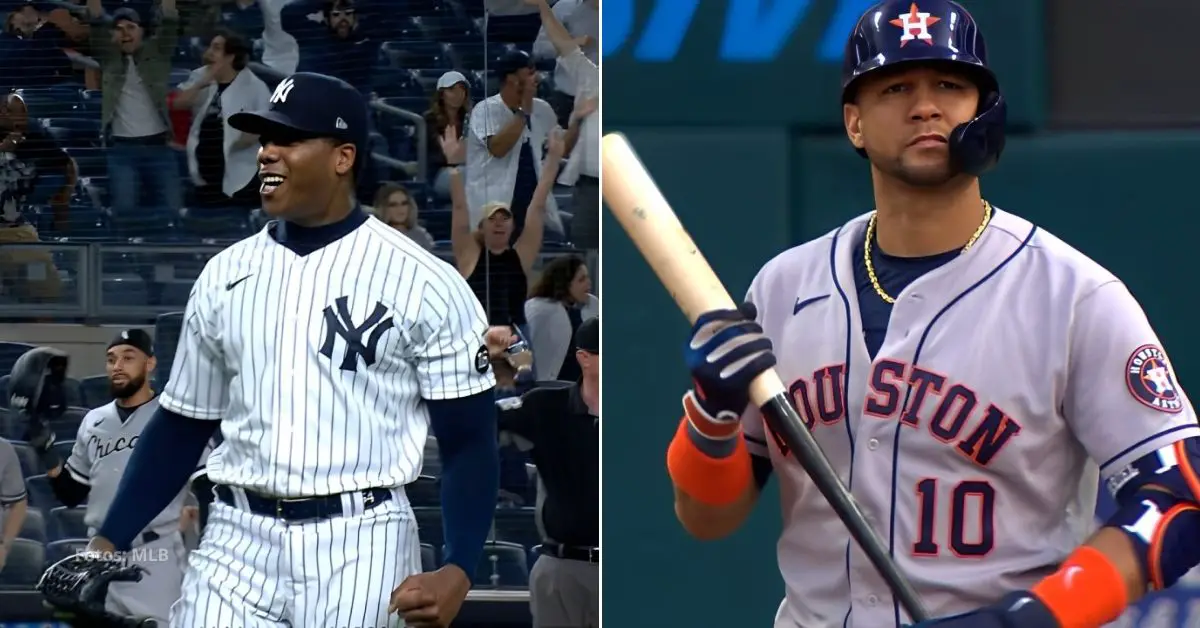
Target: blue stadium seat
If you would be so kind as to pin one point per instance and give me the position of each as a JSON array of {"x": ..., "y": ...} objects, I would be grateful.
[
  {"x": 73, "y": 391},
  {"x": 89, "y": 161},
  {"x": 25, "y": 565},
  {"x": 30, "y": 465},
  {"x": 413, "y": 55},
  {"x": 428, "y": 557},
  {"x": 429, "y": 525},
  {"x": 414, "y": 104},
  {"x": 74, "y": 132},
  {"x": 11, "y": 427},
  {"x": 516, "y": 525},
  {"x": 179, "y": 75},
  {"x": 67, "y": 523},
  {"x": 62, "y": 548},
  {"x": 34, "y": 526},
  {"x": 423, "y": 492},
  {"x": 503, "y": 565},
  {"x": 66, "y": 427},
  {"x": 437, "y": 222},
  {"x": 40, "y": 493},
  {"x": 96, "y": 389},
  {"x": 63, "y": 449},
  {"x": 9, "y": 352},
  {"x": 47, "y": 102},
  {"x": 449, "y": 27}
]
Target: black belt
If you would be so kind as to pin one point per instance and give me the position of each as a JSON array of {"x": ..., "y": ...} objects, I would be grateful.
[
  {"x": 588, "y": 176},
  {"x": 302, "y": 508},
  {"x": 571, "y": 552},
  {"x": 158, "y": 139}
]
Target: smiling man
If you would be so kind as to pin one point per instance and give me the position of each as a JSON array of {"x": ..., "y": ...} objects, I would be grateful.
[
  {"x": 325, "y": 347},
  {"x": 965, "y": 371}
]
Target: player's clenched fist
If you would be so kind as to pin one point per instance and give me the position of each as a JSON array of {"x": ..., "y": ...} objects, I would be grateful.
[
  {"x": 431, "y": 599},
  {"x": 726, "y": 351}
]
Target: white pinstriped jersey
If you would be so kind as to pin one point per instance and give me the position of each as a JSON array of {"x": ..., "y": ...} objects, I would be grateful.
[
  {"x": 103, "y": 446},
  {"x": 318, "y": 365},
  {"x": 1010, "y": 379}
]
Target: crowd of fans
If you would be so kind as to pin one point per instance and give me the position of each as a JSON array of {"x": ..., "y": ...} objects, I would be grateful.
[{"x": 484, "y": 150}]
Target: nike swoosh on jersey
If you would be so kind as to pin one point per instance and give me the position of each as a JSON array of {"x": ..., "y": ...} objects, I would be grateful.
[
  {"x": 230, "y": 285},
  {"x": 801, "y": 304}
]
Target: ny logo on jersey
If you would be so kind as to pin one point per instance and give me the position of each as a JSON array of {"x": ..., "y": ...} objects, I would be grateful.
[
  {"x": 339, "y": 323},
  {"x": 282, "y": 90}
]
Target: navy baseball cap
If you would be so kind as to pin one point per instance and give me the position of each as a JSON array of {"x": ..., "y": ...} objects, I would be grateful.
[
  {"x": 314, "y": 105},
  {"x": 513, "y": 61}
]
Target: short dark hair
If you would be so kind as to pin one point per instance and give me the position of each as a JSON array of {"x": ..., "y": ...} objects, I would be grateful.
[
  {"x": 235, "y": 45},
  {"x": 555, "y": 280}
]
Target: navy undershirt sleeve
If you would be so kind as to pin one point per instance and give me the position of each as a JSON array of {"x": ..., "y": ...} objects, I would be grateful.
[
  {"x": 465, "y": 430},
  {"x": 164, "y": 459}
]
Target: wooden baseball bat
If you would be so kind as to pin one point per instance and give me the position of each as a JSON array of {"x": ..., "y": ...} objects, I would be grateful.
[{"x": 637, "y": 203}]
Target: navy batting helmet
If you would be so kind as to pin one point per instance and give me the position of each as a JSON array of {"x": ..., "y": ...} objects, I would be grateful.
[
  {"x": 900, "y": 32},
  {"x": 36, "y": 385}
]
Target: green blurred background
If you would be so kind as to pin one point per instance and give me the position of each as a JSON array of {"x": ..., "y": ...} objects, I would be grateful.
[{"x": 734, "y": 108}]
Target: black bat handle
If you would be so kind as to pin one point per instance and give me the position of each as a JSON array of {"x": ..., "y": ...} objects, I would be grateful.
[{"x": 782, "y": 418}]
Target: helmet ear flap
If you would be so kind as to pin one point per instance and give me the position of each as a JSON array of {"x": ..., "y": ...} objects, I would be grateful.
[{"x": 975, "y": 146}]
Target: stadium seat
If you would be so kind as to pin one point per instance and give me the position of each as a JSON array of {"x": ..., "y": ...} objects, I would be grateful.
[
  {"x": 73, "y": 391},
  {"x": 96, "y": 390},
  {"x": 89, "y": 161},
  {"x": 40, "y": 493},
  {"x": 9, "y": 352},
  {"x": 48, "y": 102},
  {"x": 66, "y": 427},
  {"x": 63, "y": 449},
  {"x": 424, "y": 491},
  {"x": 25, "y": 565},
  {"x": 413, "y": 55},
  {"x": 30, "y": 465},
  {"x": 11, "y": 427},
  {"x": 516, "y": 525},
  {"x": 74, "y": 132},
  {"x": 62, "y": 548},
  {"x": 503, "y": 565},
  {"x": 34, "y": 526},
  {"x": 67, "y": 523},
  {"x": 429, "y": 525},
  {"x": 428, "y": 558}
]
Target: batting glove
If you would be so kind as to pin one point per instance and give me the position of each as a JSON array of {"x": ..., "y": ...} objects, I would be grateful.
[
  {"x": 726, "y": 351},
  {"x": 1020, "y": 609}
]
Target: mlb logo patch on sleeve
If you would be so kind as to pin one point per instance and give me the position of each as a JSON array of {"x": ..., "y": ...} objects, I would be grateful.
[{"x": 1151, "y": 381}]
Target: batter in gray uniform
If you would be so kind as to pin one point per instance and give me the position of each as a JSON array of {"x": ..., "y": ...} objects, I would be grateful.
[
  {"x": 13, "y": 499},
  {"x": 106, "y": 439}
]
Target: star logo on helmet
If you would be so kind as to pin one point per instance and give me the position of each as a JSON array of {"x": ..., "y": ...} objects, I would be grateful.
[{"x": 916, "y": 25}]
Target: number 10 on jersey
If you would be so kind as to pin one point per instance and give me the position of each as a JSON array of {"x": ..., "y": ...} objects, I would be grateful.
[{"x": 966, "y": 529}]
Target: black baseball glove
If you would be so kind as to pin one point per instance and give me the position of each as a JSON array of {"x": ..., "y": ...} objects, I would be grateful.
[{"x": 78, "y": 584}]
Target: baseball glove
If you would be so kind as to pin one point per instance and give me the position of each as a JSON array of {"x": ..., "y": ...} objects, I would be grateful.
[{"x": 78, "y": 584}]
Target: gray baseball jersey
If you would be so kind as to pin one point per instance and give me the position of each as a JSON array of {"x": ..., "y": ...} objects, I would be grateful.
[
  {"x": 12, "y": 481},
  {"x": 102, "y": 449},
  {"x": 1010, "y": 380}
]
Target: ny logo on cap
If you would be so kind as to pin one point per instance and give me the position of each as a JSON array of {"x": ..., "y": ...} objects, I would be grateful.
[
  {"x": 282, "y": 91},
  {"x": 341, "y": 124}
]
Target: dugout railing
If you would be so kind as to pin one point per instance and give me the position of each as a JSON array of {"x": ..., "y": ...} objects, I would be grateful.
[{"x": 103, "y": 282}]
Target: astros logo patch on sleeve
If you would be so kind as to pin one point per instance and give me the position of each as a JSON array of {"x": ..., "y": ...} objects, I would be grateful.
[{"x": 1148, "y": 374}]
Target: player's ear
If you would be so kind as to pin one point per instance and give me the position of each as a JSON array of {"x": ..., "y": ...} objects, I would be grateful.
[
  {"x": 344, "y": 156},
  {"x": 853, "y": 121},
  {"x": 151, "y": 364}
]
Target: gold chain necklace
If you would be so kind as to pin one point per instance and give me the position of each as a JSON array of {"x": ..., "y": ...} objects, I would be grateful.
[{"x": 987, "y": 217}]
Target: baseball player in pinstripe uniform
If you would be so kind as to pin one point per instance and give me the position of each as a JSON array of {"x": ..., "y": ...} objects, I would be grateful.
[{"x": 325, "y": 348}]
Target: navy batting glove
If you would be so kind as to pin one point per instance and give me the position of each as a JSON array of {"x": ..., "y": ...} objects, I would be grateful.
[
  {"x": 1020, "y": 609},
  {"x": 726, "y": 351}
]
